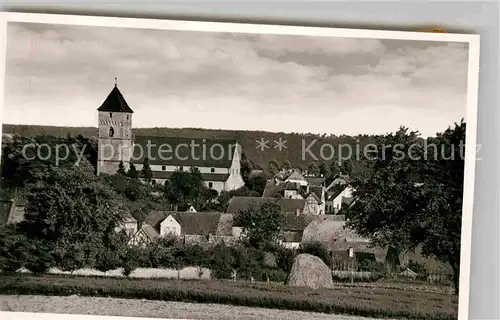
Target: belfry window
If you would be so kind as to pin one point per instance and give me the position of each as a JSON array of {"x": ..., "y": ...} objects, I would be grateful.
[{"x": 111, "y": 132}]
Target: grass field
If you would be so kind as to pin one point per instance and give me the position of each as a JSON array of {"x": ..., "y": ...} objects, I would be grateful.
[{"x": 370, "y": 300}]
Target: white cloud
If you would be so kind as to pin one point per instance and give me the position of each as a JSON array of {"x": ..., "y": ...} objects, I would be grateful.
[{"x": 276, "y": 82}]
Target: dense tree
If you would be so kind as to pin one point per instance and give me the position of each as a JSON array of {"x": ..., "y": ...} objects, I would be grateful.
[
  {"x": 347, "y": 167},
  {"x": 132, "y": 171},
  {"x": 287, "y": 165},
  {"x": 273, "y": 167},
  {"x": 146, "y": 172},
  {"x": 121, "y": 168},
  {"x": 73, "y": 214},
  {"x": 185, "y": 188},
  {"x": 25, "y": 160},
  {"x": 313, "y": 169},
  {"x": 13, "y": 248},
  {"x": 324, "y": 170},
  {"x": 412, "y": 196},
  {"x": 257, "y": 184},
  {"x": 261, "y": 224},
  {"x": 246, "y": 167}
]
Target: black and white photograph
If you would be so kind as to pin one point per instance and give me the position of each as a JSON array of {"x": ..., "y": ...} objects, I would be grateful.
[{"x": 203, "y": 170}]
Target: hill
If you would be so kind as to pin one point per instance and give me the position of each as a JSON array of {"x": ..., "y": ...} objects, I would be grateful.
[{"x": 299, "y": 148}]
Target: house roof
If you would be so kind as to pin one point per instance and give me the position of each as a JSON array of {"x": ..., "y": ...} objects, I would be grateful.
[
  {"x": 295, "y": 222},
  {"x": 192, "y": 223},
  {"x": 329, "y": 231},
  {"x": 312, "y": 194},
  {"x": 340, "y": 180},
  {"x": 179, "y": 151},
  {"x": 237, "y": 204},
  {"x": 292, "y": 205},
  {"x": 295, "y": 175},
  {"x": 204, "y": 176},
  {"x": 150, "y": 232},
  {"x": 335, "y": 191},
  {"x": 271, "y": 189},
  {"x": 257, "y": 172},
  {"x": 318, "y": 190},
  {"x": 315, "y": 181},
  {"x": 154, "y": 218},
  {"x": 292, "y": 236},
  {"x": 198, "y": 223},
  {"x": 348, "y": 200},
  {"x": 115, "y": 102}
]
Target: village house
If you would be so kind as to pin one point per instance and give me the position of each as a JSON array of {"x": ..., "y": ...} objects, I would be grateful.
[
  {"x": 293, "y": 230},
  {"x": 144, "y": 236},
  {"x": 338, "y": 194},
  {"x": 293, "y": 185},
  {"x": 192, "y": 227},
  {"x": 129, "y": 224},
  {"x": 217, "y": 160}
]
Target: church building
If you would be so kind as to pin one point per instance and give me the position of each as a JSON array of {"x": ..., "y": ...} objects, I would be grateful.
[{"x": 218, "y": 160}]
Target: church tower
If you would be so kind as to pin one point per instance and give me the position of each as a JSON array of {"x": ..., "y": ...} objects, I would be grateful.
[{"x": 115, "y": 133}]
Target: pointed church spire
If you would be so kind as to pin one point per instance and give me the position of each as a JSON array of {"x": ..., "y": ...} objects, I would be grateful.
[{"x": 115, "y": 102}]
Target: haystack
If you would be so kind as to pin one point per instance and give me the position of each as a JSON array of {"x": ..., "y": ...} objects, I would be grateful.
[{"x": 310, "y": 271}]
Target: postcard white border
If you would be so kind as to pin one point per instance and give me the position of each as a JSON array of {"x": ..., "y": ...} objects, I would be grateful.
[{"x": 471, "y": 113}]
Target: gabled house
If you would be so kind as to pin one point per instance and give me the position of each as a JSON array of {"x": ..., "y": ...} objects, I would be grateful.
[
  {"x": 340, "y": 180},
  {"x": 296, "y": 177},
  {"x": 129, "y": 224},
  {"x": 191, "y": 227},
  {"x": 144, "y": 236},
  {"x": 315, "y": 181},
  {"x": 293, "y": 230},
  {"x": 294, "y": 185},
  {"x": 339, "y": 197},
  {"x": 313, "y": 203},
  {"x": 338, "y": 194}
]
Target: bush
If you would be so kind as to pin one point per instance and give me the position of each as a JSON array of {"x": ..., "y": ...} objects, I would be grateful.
[
  {"x": 419, "y": 268},
  {"x": 13, "y": 253},
  {"x": 317, "y": 249},
  {"x": 285, "y": 258},
  {"x": 131, "y": 259},
  {"x": 363, "y": 276},
  {"x": 39, "y": 256},
  {"x": 371, "y": 266},
  {"x": 107, "y": 260},
  {"x": 223, "y": 262}
]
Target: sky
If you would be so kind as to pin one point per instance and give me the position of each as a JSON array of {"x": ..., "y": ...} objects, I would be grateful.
[{"x": 59, "y": 75}]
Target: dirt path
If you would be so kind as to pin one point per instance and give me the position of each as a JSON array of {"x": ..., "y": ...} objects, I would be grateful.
[{"x": 152, "y": 309}]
